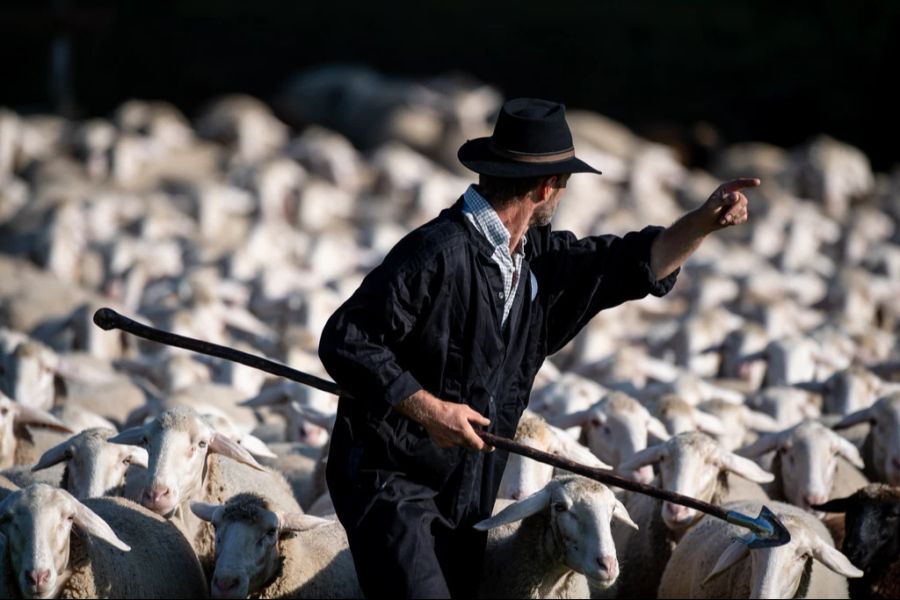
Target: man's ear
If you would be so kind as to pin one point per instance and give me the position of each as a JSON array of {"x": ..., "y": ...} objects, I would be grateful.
[{"x": 545, "y": 189}]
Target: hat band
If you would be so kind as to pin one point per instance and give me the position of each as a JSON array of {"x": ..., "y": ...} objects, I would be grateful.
[{"x": 526, "y": 157}]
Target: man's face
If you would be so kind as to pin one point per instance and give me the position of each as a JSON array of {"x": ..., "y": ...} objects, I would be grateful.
[{"x": 544, "y": 211}]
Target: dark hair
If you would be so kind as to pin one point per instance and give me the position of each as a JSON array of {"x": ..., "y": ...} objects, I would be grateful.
[{"x": 503, "y": 189}]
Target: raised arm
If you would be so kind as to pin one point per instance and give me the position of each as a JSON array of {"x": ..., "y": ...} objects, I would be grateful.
[{"x": 726, "y": 206}]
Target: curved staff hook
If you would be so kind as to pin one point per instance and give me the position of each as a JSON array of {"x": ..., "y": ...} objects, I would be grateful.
[{"x": 768, "y": 530}]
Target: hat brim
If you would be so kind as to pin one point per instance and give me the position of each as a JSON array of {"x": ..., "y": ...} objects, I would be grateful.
[{"x": 477, "y": 156}]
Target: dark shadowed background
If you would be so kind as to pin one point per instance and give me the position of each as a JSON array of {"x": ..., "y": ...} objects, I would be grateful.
[{"x": 771, "y": 71}]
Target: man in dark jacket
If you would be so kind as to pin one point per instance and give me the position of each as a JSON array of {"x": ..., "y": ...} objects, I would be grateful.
[{"x": 447, "y": 335}]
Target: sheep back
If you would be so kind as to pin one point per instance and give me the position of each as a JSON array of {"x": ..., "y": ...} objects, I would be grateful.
[{"x": 161, "y": 563}]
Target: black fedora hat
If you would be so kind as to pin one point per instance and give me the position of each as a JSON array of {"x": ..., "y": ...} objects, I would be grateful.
[{"x": 531, "y": 138}]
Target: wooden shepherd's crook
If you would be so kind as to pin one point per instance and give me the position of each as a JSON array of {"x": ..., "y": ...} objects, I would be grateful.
[{"x": 768, "y": 530}]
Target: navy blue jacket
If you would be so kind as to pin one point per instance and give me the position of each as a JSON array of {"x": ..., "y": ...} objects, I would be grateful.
[{"x": 428, "y": 318}]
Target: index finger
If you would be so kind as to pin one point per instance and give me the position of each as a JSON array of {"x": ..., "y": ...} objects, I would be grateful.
[{"x": 739, "y": 184}]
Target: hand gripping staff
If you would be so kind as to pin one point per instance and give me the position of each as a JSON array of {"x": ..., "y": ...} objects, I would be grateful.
[{"x": 768, "y": 530}]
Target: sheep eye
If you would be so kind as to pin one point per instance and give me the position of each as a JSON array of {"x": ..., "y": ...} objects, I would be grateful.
[
  {"x": 4, "y": 411},
  {"x": 272, "y": 532},
  {"x": 560, "y": 507},
  {"x": 596, "y": 422},
  {"x": 126, "y": 460},
  {"x": 202, "y": 443}
]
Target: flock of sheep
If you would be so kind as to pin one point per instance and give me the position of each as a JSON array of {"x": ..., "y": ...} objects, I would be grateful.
[{"x": 767, "y": 377}]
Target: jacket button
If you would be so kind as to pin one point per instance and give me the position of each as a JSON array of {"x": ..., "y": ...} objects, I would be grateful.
[{"x": 500, "y": 295}]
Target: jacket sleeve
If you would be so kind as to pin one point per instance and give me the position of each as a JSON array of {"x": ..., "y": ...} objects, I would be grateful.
[
  {"x": 577, "y": 278},
  {"x": 360, "y": 342}
]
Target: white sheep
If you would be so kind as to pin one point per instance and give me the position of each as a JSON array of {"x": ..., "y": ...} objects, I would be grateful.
[
  {"x": 244, "y": 124},
  {"x": 95, "y": 467},
  {"x": 710, "y": 560},
  {"x": 190, "y": 461},
  {"x": 27, "y": 368},
  {"x": 265, "y": 553},
  {"x": 788, "y": 406},
  {"x": 740, "y": 423},
  {"x": 524, "y": 476},
  {"x": 17, "y": 445},
  {"x": 562, "y": 546},
  {"x": 679, "y": 416},
  {"x": 691, "y": 464},
  {"x": 128, "y": 551},
  {"x": 615, "y": 428},
  {"x": 812, "y": 464},
  {"x": 564, "y": 394}
]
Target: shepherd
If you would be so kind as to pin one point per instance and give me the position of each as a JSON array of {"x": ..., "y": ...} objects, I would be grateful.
[{"x": 447, "y": 334}]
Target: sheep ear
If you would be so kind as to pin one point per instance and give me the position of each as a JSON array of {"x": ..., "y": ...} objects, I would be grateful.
[
  {"x": 735, "y": 552},
  {"x": 91, "y": 523},
  {"x": 270, "y": 396},
  {"x": 761, "y": 355},
  {"x": 759, "y": 421},
  {"x": 206, "y": 512},
  {"x": 256, "y": 446},
  {"x": 744, "y": 467},
  {"x": 764, "y": 443},
  {"x": 834, "y": 559},
  {"x": 647, "y": 456},
  {"x": 838, "y": 505},
  {"x": 55, "y": 455},
  {"x": 576, "y": 419},
  {"x": 139, "y": 415},
  {"x": 530, "y": 505},
  {"x": 810, "y": 386},
  {"x": 133, "y": 436},
  {"x": 139, "y": 457},
  {"x": 866, "y": 415},
  {"x": 299, "y": 522},
  {"x": 564, "y": 445},
  {"x": 847, "y": 450},
  {"x": 708, "y": 423},
  {"x": 621, "y": 513},
  {"x": 656, "y": 428},
  {"x": 222, "y": 444},
  {"x": 316, "y": 417},
  {"x": 29, "y": 415}
]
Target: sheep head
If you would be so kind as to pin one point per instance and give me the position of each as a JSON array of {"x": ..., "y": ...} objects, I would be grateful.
[
  {"x": 808, "y": 453},
  {"x": 94, "y": 466},
  {"x": 884, "y": 416},
  {"x": 248, "y": 533},
  {"x": 616, "y": 428},
  {"x": 692, "y": 464},
  {"x": 871, "y": 525},
  {"x": 178, "y": 442},
  {"x": 777, "y": 572},
  {"x": 35, "y": 525},
  {"x": 579, "y": 513}
]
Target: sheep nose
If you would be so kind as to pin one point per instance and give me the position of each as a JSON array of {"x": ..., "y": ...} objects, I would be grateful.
[
  {"x": 814, "y": 499},
  {"x": 226, "y": 583},
  {"x": 38, "y": 577},
  {"x": 156, "y": 495},
  {"x": 609, "y": 564}
]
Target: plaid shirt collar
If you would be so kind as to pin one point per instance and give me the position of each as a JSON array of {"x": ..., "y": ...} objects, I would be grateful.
[{"x": 488, "y": 222}]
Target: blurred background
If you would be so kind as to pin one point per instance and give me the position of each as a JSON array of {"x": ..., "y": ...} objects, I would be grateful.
[
  {"x": 752, "y": 70},
  {"x": 231, "y": 170}
]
